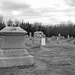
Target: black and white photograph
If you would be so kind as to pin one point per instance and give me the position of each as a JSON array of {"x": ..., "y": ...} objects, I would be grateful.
[{"x": 37, "y": 37}]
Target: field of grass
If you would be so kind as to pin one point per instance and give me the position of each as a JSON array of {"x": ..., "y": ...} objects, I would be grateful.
[{"x": 52, "y": 59}]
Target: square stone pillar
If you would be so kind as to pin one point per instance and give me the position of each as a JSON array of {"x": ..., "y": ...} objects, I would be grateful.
[{"x": 13, "y": 51}]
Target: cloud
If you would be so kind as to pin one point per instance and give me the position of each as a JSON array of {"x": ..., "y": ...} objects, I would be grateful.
[
  {"x": 70, "y": 14},
  {"x": 12, "y": 5},
  {"x": 18, "y": 8},
  {"x": 69, "y": 10},
  {"x": 70, "y": 2},
  {"x": 45, "y": 11},
  {"x": 16, "y": 13},
  {"x": 31, "y": 12}
]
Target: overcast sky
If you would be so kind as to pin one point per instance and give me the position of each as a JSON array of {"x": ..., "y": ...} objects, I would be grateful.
[{"x": 45, "y": 11}]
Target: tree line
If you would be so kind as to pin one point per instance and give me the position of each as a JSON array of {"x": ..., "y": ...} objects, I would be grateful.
[{"x": 49, "y": 30}]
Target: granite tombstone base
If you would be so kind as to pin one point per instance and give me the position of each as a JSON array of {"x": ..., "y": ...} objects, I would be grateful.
[{"x": 10, "y": 58}]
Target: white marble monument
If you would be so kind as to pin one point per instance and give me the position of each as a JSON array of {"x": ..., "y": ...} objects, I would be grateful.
[
  {"x": 13, "y": 52},
  {"x": 68, "y": 37},
  {"x": 43, "y": 41}
]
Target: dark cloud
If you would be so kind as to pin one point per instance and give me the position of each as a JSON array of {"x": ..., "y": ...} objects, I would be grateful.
[
  {"x": 10, "y": 5},
  {"x": 70, "y": 2}
]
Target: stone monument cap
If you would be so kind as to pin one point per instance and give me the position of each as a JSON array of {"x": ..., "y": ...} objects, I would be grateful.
[
  {"x": 13, "y": 30},
  {"x": 38, "y": 34}
]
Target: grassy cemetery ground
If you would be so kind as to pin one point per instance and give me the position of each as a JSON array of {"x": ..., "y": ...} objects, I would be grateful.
[{"x": 52, "y": 59}]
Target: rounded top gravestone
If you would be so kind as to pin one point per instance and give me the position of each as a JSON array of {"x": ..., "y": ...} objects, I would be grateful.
[{"x": 38, "y": 34}]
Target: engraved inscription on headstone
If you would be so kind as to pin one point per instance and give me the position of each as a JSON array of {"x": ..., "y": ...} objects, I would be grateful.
[{"x": 13, "y": 52}]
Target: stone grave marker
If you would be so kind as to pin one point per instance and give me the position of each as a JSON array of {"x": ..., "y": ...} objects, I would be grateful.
[
  {"x": 37, "y": 40},
  {"x": 53, "y": 37},
  {"x": 57, "y": 40},
  {"x": 37, "y": 37},
  {"x": 59, "y": 36},
  {"x": 72, "y": 37},
  {"x": 13, "y": 51},
  {"x": 43, "y": 41},
  {"x": 68, "y": 37},
  {"x": 30, "y": 34}
]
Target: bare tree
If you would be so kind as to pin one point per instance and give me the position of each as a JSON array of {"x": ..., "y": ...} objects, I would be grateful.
[
  {"x": 17, "y": 23},
  {"x": 1, "y": 19},
  {"x": 9, "y": 22}
]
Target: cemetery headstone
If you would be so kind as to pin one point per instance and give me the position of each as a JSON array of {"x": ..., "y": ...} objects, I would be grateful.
[
  {"x": 71, "y": 37},
  {"x": 43, "y": 41},
  {"x": 63, "y": 37},
  {"x": 53, "y": 37},
  {"x": 37, "y": 37},
  {"x": 13, "y": 50},
  {"x": 59, "y": 36},
  {"x": 57, "y": 40},
  {"x": 68, "y": 37},
  {"x": 30, "y": 34}
]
